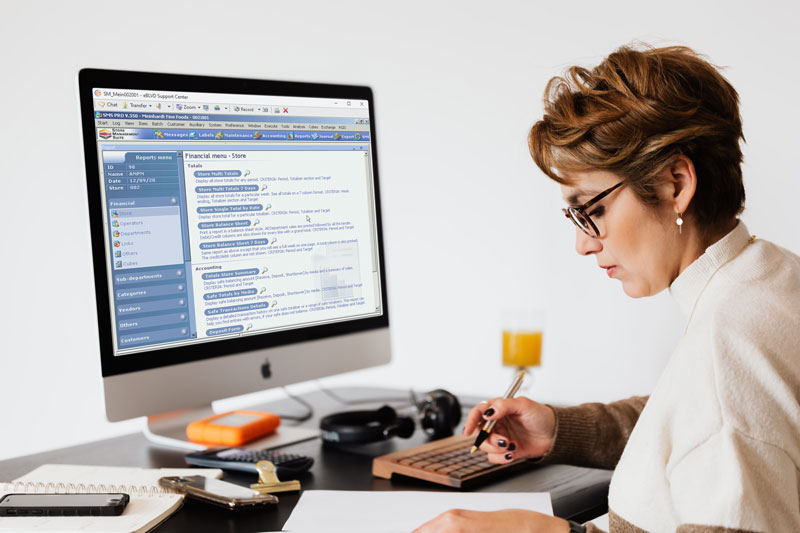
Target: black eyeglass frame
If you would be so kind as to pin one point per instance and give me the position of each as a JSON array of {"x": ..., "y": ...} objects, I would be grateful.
[{"x": 571, "y": 211}]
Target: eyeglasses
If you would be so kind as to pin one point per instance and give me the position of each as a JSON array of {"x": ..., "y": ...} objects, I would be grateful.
[{"x": 578, "y": 215}]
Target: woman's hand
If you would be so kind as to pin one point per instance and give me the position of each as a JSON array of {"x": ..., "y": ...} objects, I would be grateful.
[
  {"x": 516, "y": 520},
  {"x": 524, "y": 429}
]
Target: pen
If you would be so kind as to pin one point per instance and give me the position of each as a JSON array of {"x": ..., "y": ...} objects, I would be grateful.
[{"x": 487, "y": 428}]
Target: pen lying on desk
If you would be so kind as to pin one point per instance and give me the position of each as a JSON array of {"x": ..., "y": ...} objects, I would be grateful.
[{"x": 487, "y": 428}]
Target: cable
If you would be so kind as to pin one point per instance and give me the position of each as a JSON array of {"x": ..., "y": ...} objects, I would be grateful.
[{"x": 309, "y": 408}]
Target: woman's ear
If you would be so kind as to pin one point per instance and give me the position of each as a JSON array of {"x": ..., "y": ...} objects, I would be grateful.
[{"x": 682, "y": 182}]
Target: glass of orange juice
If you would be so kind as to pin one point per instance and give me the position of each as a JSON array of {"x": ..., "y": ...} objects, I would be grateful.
[{"x": 522, "y": 337}]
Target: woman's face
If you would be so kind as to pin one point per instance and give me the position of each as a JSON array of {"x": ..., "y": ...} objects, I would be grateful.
[{"x": 637, "y": 244}]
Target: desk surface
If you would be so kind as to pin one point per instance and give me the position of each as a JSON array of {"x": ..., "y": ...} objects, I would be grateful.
[{"x": 577, "y": 493}]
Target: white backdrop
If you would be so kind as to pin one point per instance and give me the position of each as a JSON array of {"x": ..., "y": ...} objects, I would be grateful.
[{"x": 470, "y": 224}]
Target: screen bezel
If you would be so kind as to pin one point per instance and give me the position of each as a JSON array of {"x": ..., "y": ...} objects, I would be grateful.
[{"x": 112, "y": 365}]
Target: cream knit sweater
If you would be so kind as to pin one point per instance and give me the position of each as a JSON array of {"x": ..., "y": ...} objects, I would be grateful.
[{"x": 716, "y": 447}]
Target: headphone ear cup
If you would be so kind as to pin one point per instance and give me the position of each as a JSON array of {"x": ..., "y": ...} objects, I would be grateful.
[
  {"x": 401, "y": 426},
  {"x": 405, "y": 427},
  {"x": 440, "y": 413},
  {"x": 386, "y": 415},
  {"x": 357, "y": 427}
]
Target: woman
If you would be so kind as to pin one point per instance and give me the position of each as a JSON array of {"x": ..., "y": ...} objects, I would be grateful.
[{"x": 646, "y": 149}]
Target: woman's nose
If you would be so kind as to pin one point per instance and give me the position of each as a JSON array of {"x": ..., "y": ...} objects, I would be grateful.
[{"x": 586, "y": 245}]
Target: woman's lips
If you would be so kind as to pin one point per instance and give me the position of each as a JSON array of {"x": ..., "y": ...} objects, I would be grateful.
[{"x": 610, "y": 270}]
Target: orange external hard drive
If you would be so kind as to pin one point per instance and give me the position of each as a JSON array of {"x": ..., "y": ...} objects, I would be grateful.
[{"x": 232, "y": 428}]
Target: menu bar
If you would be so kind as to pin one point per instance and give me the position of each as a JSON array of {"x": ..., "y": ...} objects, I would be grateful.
[{"x": 148, "y": 134}]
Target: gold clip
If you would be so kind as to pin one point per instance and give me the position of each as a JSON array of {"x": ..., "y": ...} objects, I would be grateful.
[{"x": 268, "y": 481}]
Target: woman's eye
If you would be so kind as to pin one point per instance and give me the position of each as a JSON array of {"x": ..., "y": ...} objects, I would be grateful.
[{"x": 598, "y": 212}]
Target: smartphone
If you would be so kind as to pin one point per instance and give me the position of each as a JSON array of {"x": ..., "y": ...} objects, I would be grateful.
[
  {"x": 105, "y": 504},
  {"x": 218, "y": 492}
]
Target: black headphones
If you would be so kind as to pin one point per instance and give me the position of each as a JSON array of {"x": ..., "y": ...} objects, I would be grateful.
[{"x": 439, "y": 412}]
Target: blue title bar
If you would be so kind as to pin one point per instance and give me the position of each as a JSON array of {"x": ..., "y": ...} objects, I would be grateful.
[{"x": 227, "y": 118}]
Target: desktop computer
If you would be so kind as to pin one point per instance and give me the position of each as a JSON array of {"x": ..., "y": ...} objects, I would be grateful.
[{"x": 236, "y": 237}]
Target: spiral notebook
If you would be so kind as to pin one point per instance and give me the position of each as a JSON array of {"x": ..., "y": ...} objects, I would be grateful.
[{"x": 149, "y": 505}]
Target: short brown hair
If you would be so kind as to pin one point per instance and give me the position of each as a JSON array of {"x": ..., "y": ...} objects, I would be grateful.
[{"x": 634, "y": 113}]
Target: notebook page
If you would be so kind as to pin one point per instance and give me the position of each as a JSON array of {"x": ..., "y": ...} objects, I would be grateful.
[
  {"x": 141, "y": 514},
  {"x": 116, "y": 475},
  {"x": 397, "y": 511}
]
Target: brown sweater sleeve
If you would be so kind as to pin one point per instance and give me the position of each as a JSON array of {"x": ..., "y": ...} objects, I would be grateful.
[{"x": 594, "y": 434}]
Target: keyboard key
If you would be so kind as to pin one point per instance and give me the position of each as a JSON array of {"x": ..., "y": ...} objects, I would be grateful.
[{"x": 447, "y": 462}]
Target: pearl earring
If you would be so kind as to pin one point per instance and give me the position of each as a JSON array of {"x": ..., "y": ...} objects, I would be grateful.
[{"x": 679, "y": 222}]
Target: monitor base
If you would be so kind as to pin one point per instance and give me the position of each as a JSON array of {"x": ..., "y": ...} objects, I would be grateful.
[{"x": 169, "y": 430}]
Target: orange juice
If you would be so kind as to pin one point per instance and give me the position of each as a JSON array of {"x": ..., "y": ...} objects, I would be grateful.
[{"x": 522, "y": 348}]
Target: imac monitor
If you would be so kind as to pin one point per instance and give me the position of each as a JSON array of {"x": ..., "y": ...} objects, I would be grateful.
[{"x": 236, "y": 235}]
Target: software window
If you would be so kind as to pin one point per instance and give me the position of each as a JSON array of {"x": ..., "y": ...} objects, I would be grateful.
[{"x": 230, "y": 218}]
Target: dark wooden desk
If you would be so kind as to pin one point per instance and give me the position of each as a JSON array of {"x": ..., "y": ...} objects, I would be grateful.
[{"x": 577, "y": 493}]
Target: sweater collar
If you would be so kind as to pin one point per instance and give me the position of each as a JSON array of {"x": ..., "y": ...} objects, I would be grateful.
[{"x": 688, "y": 286}]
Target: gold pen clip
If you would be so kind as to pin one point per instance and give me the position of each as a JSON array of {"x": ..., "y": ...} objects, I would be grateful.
[{"x": 268, "y": 481}]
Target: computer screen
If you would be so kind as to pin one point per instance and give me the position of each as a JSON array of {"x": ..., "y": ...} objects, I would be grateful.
[{"x": 229, "y": 217}]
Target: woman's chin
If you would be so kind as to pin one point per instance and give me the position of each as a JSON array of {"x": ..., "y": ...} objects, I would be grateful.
[{"x": 634, "y": 290}]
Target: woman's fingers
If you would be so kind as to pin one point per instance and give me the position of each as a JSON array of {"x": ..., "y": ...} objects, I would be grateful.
[
  {"x": 475, "y": 417},
  {"x": 500, "y": 407},
  {"x": 498, "y": 443},
  {"x": 500, "y": 458}
]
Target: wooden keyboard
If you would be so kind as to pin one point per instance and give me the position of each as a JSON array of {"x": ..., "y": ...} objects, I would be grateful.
[{"x": 445, "y": 461}]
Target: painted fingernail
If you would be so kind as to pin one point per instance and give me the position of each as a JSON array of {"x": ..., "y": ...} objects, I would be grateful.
[
  {"x": 512, "y": 447},
  {"x": 502, "y": 443},
  {"x": 489, "y": 412},
  {"x": 508, "y": 456}
]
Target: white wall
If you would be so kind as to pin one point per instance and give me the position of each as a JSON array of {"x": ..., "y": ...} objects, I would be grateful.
[{"x": 470, "y": 223}]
